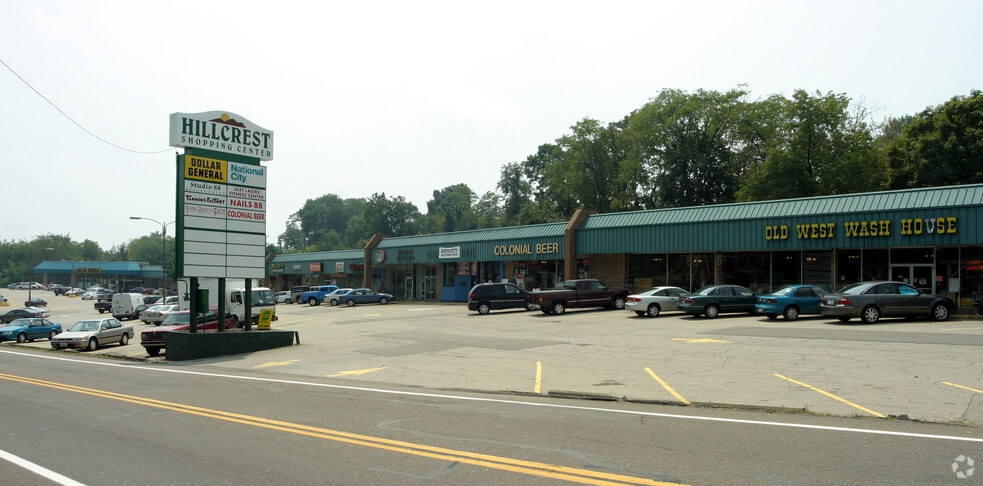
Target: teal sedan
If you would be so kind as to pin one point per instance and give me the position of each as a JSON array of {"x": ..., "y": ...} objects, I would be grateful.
[
  {"x": 29, "y": 329},
  {"x": 364, "y": 296},
  {"x": 791, "y": 301}
]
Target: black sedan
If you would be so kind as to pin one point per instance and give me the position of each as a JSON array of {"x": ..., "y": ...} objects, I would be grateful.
[
  {"x": 20, "y": 314},
  {"x": 36, "y": 302},
  {"x": 716, "y": 299},
  {"x": 872, "y": 300}
]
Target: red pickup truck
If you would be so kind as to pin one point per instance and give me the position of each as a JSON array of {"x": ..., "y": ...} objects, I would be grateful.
[{"x": 579, "y": 293}]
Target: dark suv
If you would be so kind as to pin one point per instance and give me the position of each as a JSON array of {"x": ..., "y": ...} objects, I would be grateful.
[{"x": 486, "y": 297}]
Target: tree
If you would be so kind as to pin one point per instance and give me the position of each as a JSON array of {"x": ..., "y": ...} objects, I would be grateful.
[
  {"x": 451, "y": 208},
  {"x": 940, "y": 146},
  {"x": 321, "y": 224},
  {"x": 393, "y": 217}
]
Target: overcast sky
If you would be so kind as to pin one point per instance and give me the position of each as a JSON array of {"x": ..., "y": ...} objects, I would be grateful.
[{"x": 408, "y": 97}]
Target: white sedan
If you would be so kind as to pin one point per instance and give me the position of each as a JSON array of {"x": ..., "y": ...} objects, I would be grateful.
[{"x": 655, "y": 300}]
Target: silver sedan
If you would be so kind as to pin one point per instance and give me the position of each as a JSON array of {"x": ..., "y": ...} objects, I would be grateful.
[
  {"x": 655, "y": 300},
  {"x": 92, "y": 333}
]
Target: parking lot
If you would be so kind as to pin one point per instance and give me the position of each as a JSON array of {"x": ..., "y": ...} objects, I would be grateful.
[{"x": 916, "y": 369}]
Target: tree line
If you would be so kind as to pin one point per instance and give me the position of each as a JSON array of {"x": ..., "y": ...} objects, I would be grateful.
[{"x": 679, "y": 149}]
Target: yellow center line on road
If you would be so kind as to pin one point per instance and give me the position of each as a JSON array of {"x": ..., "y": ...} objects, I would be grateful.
[
  {"x": 583, "y": 476},
  {"x": 667, "y": 387},
  {"x": 963, "y": 387},
  {"x": 539, "y": 378},
  {"x": 834, "y": 397}
]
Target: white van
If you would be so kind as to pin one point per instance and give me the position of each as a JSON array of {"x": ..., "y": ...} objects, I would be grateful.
[{"x": 127, "y": 306}]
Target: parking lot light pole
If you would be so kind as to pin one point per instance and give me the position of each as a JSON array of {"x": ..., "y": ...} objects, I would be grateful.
[
  {"x": 163, "y": 259},
  {"x": 30, "y": 261}
]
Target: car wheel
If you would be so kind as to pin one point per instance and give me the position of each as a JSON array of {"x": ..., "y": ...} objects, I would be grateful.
[
  {"x": 772, "y": 316},
  {"x": 619, "y": 302},
  {"x": 545, "y": 310},
  {"x": 531, "y": 307},
  {"x": 300, "y": 300},
  {"x": 870, "y": 314},
  {"x": 51, "y": 335},
  {"x": 312, "y": 301},
  {"x": 102, "y": 311},
  {"x": 350, "y": 303},
  {"x": 125, "y": 338},
  {"x": 711, "y": 311},
  {"x": 334, "y": 301},
  {"x": 93, "y": 344},
  {"x": 791, "y": 313},
  {"x": 153, "y": 351},
  {"x": 22, "y": 338},
  {"x": 383, "y": 301},
  {"x": 483, "y": 309},
  {"x": 940, "y": 312},
  {"x": 558, "y": 308},
  {"x": 654, "y": 310}
]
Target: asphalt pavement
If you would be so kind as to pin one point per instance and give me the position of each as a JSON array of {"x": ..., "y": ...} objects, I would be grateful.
[{"x": 895, "y": 369}]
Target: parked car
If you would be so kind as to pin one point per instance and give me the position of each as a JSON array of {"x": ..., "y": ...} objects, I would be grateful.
[
  {"x": 333, "y": 297},
  {"x": 486, "y": 297},
  {"x": 103, "y": 307},
  {"x": 579, "y": 293},
  {"x": 91, "y": 333},
  {"x": 655, "y": 300},
  {"x": 282, "y": 297},
  {"x": 104, "y": 295},
  {"x": 157, "y": 314},
  {"x": 791, "y": 301},
  {"x": 36, "y": 302},
  {"x": 296, "y": 290},
  {"x": 154, "y": 340},
  {"x": 316, "y": 295},
  {"x": 89, "y": 294},
  {"x": 22, "y": 313},
  {"x": 872, "y": 300},
  {"x": 58, "y": 289},
  {"x": 29, "y": 329},
  {"x": 713, "y": 300},
  {"x": 74, "y": 292},
  {"x": 364, "y": 296}
]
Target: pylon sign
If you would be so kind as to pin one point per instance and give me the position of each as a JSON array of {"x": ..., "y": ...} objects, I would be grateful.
[{"x": 221, "y": 195}]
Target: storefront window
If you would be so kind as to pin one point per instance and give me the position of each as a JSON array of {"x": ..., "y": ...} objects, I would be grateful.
[
  {"x": 817, "y": 268},
  {"x": 749, "y": 270},
  {"x": 785, "y": 267},
  {"x": 679, "y": 266},
  {"x": 971, "y": 275},
  {"x": 848, "y": 268},
  {"x": 875, "y": 263},
  {"x": 647, "y": 271}
]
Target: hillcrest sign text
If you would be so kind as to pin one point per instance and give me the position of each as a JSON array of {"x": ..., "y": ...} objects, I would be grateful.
[{"x": 221, "y": 131}]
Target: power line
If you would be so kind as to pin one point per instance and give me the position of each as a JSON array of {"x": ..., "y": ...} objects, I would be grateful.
[{"x": 97, "y": 137}]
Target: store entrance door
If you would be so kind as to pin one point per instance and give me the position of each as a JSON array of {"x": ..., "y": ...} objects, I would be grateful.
[
  {"x": 408, "y": 288},
  {"x": 918, "y": 276}
]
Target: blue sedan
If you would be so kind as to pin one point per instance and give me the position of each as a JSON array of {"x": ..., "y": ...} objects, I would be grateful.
[
  {"x": 364, "y": 296},
  {"x": 791, "y": 301},
  {"x": 29, "y": 329}
]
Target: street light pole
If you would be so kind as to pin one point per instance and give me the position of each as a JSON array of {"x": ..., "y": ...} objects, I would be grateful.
[
  {"x": 163, "y": 259},
  {"x": 30, "y": 261}
]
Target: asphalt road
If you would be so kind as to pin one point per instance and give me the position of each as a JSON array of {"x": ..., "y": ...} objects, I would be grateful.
[{"x": 502, "y": 376}]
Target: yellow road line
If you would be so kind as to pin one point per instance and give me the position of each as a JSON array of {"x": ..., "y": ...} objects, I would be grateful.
[
  {"x": 539, "y": 378},
  {"x": 532, "y": 468},
  {"x": 834, "y": 397},
  {"x": 667, "y": 387},
  {"x": 963, "y": 387}
]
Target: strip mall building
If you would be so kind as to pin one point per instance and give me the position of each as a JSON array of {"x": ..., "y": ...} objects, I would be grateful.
[{"x": 931, "y": 238}]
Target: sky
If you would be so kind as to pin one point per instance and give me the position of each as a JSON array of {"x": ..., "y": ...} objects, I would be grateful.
[{"x": 405, "y": 98}]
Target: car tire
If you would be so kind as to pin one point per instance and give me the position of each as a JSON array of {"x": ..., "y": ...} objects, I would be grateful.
[
  {"x": 618, "y": 303},
  {"x": 350, "y": 303},
  {"x": 93, "y": 344},
  {"x": 312, "y": 301},
  {"x": 940, "y": 312},
  {"x": 51, "y": 335},
  {"x": 711, "y": 311},
  {"x": 791, "y": 313},
  {"x": 544, "y": 310},
  {"x": 653, "y": 310},
  {"x": 22, "y": 338},
  {"x": 300, "y": 300},
  {"x": 558, "y": 308},
  {"x": 102, "y": 311},
  {"x": 334, "y": 302},
  {"x": 383, "y": 301},
  {"x": 124, "y": 339},
  {"x": 870, "y": 314},
  {"x": 531, "y": 307},
  {"x": 483, "y": 309},
  {"x": 153, "y": 351}
]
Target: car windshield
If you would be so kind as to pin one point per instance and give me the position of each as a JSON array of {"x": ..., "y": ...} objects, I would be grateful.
[
  {"x": 650, "y": 291},
  {"x": 705, "y": 290},
  {"x": 262, "y": 297},
  {"x": 782, "y": 292},
  {"x": 84, "y": 326},
  {"x": 177, "y": 319},
  {"x": 854, "y": 289}
]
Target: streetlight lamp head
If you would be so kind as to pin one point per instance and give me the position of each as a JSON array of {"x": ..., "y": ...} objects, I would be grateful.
[{"x": 135, "y": 217}]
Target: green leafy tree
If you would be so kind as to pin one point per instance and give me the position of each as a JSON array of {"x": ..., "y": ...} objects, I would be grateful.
[
  {"x": 451, "y": 208},
  {"x": 390, "y": 216},
  {"x": 940, "y": 146}
]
